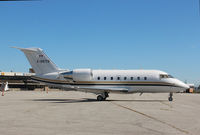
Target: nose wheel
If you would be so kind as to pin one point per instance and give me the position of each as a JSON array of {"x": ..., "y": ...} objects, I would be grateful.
[
  {"x": 102, "y": 97},
  {"x": 170, "y": 98}
]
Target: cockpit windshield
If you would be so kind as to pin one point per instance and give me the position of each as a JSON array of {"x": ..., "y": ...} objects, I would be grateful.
[
  {"x": 165, "y": 76},
  {"x": 170, "y": 76}
]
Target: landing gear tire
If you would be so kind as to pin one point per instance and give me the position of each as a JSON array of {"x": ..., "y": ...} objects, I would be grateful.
[
  {"x": 100, "y": 98},
  {"x": 170, "y": 99},
  {"x": 170, "y": 96}
]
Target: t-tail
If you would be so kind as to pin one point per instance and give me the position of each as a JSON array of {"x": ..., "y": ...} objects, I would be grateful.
[{"x": 39, "y": 61}]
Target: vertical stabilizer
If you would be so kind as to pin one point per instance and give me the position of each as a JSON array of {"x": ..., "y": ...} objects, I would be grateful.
[{"x": 39, "y": 61}]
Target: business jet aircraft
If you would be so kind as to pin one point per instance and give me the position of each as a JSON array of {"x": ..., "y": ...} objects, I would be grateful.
[{"x": 101, "y": 82}]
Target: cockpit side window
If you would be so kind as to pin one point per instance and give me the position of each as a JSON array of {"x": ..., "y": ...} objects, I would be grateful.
[{"x": 165, "y": 76}]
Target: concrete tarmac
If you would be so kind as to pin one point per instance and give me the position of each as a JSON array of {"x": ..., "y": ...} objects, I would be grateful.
[{"x": 77, "y": 113}]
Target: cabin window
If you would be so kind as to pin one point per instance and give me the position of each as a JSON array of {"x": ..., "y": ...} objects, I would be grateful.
[
  {"x": 98, "y": 78},
  {"x": 138, "y": 78},
  {"x": 111, "y": 78},
  {"x": 118, "y": 78},
  {"x": 145, "y": 78},
  {"x": 104, "y": 78},
  {"x": 125, "y": 78},
  {"x": 131, "y": 78}
]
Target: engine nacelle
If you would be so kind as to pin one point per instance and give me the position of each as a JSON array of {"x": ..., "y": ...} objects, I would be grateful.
[
  {"x": 82, "y": 74},
  {"x": 78, "y": 75}
]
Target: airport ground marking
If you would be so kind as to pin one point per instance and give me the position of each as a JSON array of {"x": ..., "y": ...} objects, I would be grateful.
[
  {"x": 166, "y": 104},
  {"x": 151, "y": 117}
]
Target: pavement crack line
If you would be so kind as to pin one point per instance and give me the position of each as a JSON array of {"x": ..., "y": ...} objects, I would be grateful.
[{"x": 151, "y": 117}]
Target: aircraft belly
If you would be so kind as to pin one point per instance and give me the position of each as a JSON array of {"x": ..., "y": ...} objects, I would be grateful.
[
  {"x": 130, "y": 89},
  {"x": 156, "y": 89}
]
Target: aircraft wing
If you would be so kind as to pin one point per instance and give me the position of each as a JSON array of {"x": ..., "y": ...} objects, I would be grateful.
[{"x": 99, "y": 89}]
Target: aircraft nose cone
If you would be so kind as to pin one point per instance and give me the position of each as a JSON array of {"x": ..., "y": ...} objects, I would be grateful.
[
  {"x": 185, "y": 86},
  {"x": 182, "y": 85}
]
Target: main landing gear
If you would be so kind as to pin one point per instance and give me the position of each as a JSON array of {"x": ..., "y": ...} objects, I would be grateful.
[
  {"x": 102, "y": 97},
  {"x": 170, "y": 98}
]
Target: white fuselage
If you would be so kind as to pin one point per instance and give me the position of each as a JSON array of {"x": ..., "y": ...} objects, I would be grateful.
[{"x": 119, "y": 81}]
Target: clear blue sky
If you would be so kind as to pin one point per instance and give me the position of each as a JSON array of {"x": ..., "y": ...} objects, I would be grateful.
[{"x": 105, "y": 34}]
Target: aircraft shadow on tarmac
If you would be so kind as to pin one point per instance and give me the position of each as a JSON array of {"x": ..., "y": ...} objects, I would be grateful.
[{"x": 92, "y": 100}]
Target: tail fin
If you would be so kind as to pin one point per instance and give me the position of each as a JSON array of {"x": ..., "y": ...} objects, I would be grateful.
[{"x": 39, "y": 61}]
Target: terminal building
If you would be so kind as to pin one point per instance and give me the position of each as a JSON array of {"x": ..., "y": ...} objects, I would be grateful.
[{"x": 17, "y": 80}]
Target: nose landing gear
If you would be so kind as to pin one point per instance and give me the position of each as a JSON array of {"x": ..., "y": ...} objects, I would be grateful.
[
  {"x": 102, "y": 97},
  {"x": 170, "y": 98}
]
